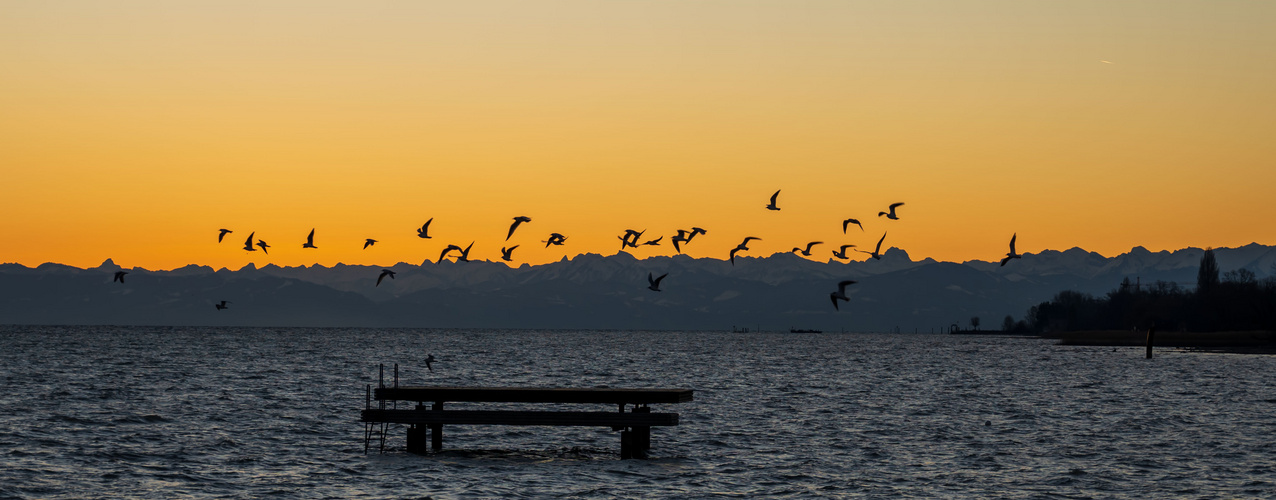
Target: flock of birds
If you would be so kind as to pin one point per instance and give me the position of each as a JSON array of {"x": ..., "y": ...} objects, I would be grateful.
[{"x": 630, "y": 239}]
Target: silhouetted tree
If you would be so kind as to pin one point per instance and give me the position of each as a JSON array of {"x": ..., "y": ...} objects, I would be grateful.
[
  {"x": 974, "y": 323},
  {"x": 1008, "y": 324},
  {"x": 1207, "y": 275}
]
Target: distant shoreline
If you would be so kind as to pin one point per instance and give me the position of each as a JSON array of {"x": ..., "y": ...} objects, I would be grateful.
[{"x": 1248, "y": 342}]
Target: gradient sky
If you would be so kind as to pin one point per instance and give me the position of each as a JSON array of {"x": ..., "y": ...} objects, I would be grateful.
[{"x": 135, "y": 130}]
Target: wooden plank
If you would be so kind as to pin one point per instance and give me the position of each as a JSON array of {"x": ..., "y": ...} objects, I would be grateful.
[
  {"x": 533, "y": 395},
  {"x": 504, "y": 417}
]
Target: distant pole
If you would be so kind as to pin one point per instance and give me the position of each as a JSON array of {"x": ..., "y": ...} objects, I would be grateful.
[{"x": 1151, "y": 334}]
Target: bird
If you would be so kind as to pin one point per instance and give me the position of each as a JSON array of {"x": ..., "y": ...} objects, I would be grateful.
[
  {"x": 248, "y": 245},
  {"x": 310, "y": 240},
  {"x": 429, "y": 358},
  {"x": 554, "y": 239},
  {"x": 733, "y": 252},
  {"x": 517, "y": 220},
  {"x": 681, "y": 237},
  {"x": 807, "y": 252},
  {"x": 368, "y": 242},
  {"x": 848, "y": 222},
  {"x": 876, "y": 253},
  {"x": 840, "y": 294},
  {"x": 1012, "y": 254},
  {"x": 695, "y": 231},
  {"x": 384, "y": 273},
  {"x": 264, "y": 246},
  {"x": 425, "y": 229},
  {"x": 654, "y": 284},
  {"x": 841, "y": 253},
  {"x": 223, "y": 234},
  {"x": 744, "y": 245},
  {"x": 630, "y": 234},
  {"x": 449, "y": 249},
  {"x": 465, "y": 254},
  {"x": 221, "y": 305},
  {"x": 890, "y": 215},
  {"x": 507, "y": 252},
  {"x": 772, "y": 206},
  {"x": 119, "y": 276},
  {"x": 654, "y": 242}
]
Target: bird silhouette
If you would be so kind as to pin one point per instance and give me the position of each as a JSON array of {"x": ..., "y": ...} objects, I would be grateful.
[
  {"x": 507, "y": 252},
  {"x": 119, "y": 276},
  {"x": 465, "y": 254},
  {"x": 891, "y": 215},
  {"x": 654, "y": 284},
  {"x": 310, "y": 240},
  {"x": 517, "y": 220},
  {"x": 695, "y": 231},
  {"x": 223, "y": 234},
  {"x": 221, "y": 305},
  {"x": 840, "y": 294},
  {"x": 807, "y": 252},
  {"x": 429, "y": 358},
  {"x": 848, "y": 222},
  {"x": 876, "y": 253},
  {"x": 841, "y": 253},
  {"x": 771, "y": 206},
  {"x": 630, "y": 239},
  {"x": 264, "y": 246},
  {"x": 248, "y": 245},
  {"x": 449, "y": 249},
  {"x": 554, "y": 239},
  {"x": 425, "y": 229},
  {"x": 384, "y": 273},
  {"x": 744, "y": 245},
  {"x": 654, "y": 242},
  {"x": 368, "y": 242},
  {"x": 681, "y": 237},
  {"x": 1012, "y": 254}
]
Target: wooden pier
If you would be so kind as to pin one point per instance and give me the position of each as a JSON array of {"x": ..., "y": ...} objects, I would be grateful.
[{"x": 634, "y": 425}]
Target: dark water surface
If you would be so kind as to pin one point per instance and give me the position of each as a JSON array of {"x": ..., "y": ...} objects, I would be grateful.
[{"x": 112, "y": 412}]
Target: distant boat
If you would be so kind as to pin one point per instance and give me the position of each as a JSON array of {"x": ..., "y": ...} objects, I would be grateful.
[{"x": 799, "y": 330}]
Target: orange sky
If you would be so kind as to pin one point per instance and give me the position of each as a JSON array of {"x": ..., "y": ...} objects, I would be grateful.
[{"x": 134, "y": 130}]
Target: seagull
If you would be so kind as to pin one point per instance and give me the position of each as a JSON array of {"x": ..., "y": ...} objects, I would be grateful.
[
  {"x": 222, "y": 234},
  {"x": 840, "y": 294},
  {"x": 848, "y": 222},
  {"x": 368, "y": 242},
  {"x": 425, "y": 229},
  {"x": 449, "y": 249},
  {"x": 891, "y": 215},
  {"x": 119, "y": 276},
  {"x": 264, "y": 246},
  {"x": 630, "y": 233},
  {"x": 807, "y": 252},
  {"x": 1012, "y": 254},
  {"x": 695, "y": 231},
  {"x": 744, "y": 245},
  {"x": 506, "y": 252},
  {"x": 222, "y": 305},
  {"x": 655, "y": 241},
  {"x": 310, "y": 240},
  {"x": 554, "y": 239},
  {"x": 841, "y": 253},
  {"x": 384, "y": 273},
  {"x": 654, "y": 284},
  {"x": 772, "y": 206},
  {"x": 681, "y": 237},
  {"x": 876, "y": 253},
  {"x": 517, "y": 220},
  {"x": 248, "y": 245},
  {"x": 465, "y": 254},
  {"x": 429, "y": 358}
]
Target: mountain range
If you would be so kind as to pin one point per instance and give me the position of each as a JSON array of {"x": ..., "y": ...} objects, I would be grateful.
[{"x": 778, "y": 292}]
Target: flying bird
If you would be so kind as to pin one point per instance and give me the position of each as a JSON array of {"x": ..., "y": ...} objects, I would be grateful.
[
  {"x": 507, "y": 252},
  {"x": 1012, "y": 254},
  {"x": 694, "y": 232},
  {"x": 119, "y": 276},
  {"x": 877, "y": 253},
  {"x": 654, "y": 242},
  {"x": 310, "y": 240},
  {"x": 368, "y": 242},
  {"x": 248, "y": 245},
  {"x": 772, "y": 206},
  {"x": 654, "y": 284},
  {"x": 449, "y": 249},
  {"x": 223, "y": 234},
  {"x": 221, "y": 305},
  {"x": 840, "y": 294},
  {"x": 807, "y": 252},
  {"x": 891, "y": 215},
  {"x": 264, "y": 246},
  {"x": 554, "y": 239},
  {"x": 517, "y": 220},
  {"x": 630, "y": 234},
  {"x": 681, "y": 237},
  {"x": 429, "y": 358},
  {"x": 841, "y": 253},
  {"x": 465, "y": 254},
  {"x": 744, "y": 245},
  {"x": 848, "y": 222},
  {"x": 384, "y": 273},
  {"x": 425, "y": 229}
]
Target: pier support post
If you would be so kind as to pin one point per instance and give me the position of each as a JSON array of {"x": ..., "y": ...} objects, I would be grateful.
[
  {"x": 416, "y": 440},
  {"x": 642, "y": 436},
  {"x": 1151, "y": 334},
  {"x": 626, "y": 444},
  {"x": 436, "y": 430}
]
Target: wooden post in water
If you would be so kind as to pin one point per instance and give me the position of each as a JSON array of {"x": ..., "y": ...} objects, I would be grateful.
[
  {"x": 416, "y": 435},
  {"x": 642, "y": 436},
  {"x": 1151, "y": 334},
  {"x": 436, "y": 430}
]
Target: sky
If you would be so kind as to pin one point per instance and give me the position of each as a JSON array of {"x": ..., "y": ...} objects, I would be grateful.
[{"x": 135, "y": 130}]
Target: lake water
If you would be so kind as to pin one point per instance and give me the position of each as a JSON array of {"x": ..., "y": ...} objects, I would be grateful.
[{"x": 108, "y": 412}]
